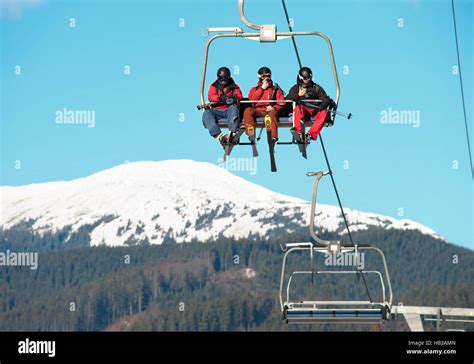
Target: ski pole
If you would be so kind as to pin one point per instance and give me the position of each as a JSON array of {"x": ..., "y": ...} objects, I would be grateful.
[
  {"x": 346, "y": 115},
  {"x": 208, "y": 105}
]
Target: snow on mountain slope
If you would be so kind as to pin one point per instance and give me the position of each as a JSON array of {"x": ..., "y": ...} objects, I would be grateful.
[{"x": 179, "y": 199}]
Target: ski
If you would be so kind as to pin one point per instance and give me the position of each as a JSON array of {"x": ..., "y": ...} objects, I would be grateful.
[
  {"x": 253, "y": 141},
  {"x": 254, "y": 147},
  {"x": 234, "y": 138},
  {"x": 271, "y": 143},
  {"x": 299, "y": 139},
  {"x": 271, "y": 147}
]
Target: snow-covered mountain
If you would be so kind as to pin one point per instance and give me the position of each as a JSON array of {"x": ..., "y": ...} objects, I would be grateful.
[{"x": 178, "y": 199}]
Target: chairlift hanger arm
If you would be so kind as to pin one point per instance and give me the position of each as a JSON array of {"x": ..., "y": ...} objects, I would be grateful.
[
  {"x": 328, "y": 243},
  {"x": 244, "y": 18}
]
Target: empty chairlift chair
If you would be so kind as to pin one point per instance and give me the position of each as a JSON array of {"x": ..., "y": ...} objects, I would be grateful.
[{"x": 334, "y": 311}]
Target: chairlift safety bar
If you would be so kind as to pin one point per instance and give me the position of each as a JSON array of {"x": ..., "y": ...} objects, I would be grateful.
[
  {"x": 312, "y": 248},
  {"x": 336, "y": 272}
]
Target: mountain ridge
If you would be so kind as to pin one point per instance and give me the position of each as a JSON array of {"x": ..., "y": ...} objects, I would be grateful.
[{"x": 180, "y": 199}]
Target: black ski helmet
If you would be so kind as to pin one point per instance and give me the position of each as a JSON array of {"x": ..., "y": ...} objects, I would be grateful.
[
  {"x": 223, "y": 76},
  {"x": 264, "y": 71},
  {"x": 305, "y": 73}
]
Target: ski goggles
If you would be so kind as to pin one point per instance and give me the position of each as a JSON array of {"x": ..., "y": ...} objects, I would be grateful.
[{"x": 305, "y": 78}]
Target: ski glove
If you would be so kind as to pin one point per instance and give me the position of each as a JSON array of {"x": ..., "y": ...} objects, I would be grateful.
[
  {"x": 223, "y": 99},
  {"x": 230, "y": 100}
]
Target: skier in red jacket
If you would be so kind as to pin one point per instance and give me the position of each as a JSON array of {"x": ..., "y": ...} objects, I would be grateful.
[
  {"x": 304, "y": 90},
  {"x": 264, "y": 91},
  {"x": 223, "y": 95}
]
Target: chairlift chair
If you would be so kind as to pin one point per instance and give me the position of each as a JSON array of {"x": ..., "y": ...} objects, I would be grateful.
[
  {"x": 335, "y": 311},
  {"x": 266, "y": 34}
]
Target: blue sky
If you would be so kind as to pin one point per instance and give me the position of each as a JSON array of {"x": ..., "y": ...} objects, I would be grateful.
[{"x": 391, "y": 167}]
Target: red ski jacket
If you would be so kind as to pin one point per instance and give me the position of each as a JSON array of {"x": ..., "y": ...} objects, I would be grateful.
[
  {"x": 273, "y": 92},
  {"x": 216, "y": 90}
]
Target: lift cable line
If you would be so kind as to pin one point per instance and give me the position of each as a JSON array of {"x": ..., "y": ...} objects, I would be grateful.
[
  {"x": 291, "y": 30},
  {"x": 324, "y": 150},
  {"x": 462, "y": 88}
]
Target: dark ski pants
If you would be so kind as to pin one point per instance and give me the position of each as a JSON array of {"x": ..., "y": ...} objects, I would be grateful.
[
  {"x": 251, "y": 113},
  {"x": 211, "y": 116},
  {"x": 302, "y": 111}
]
